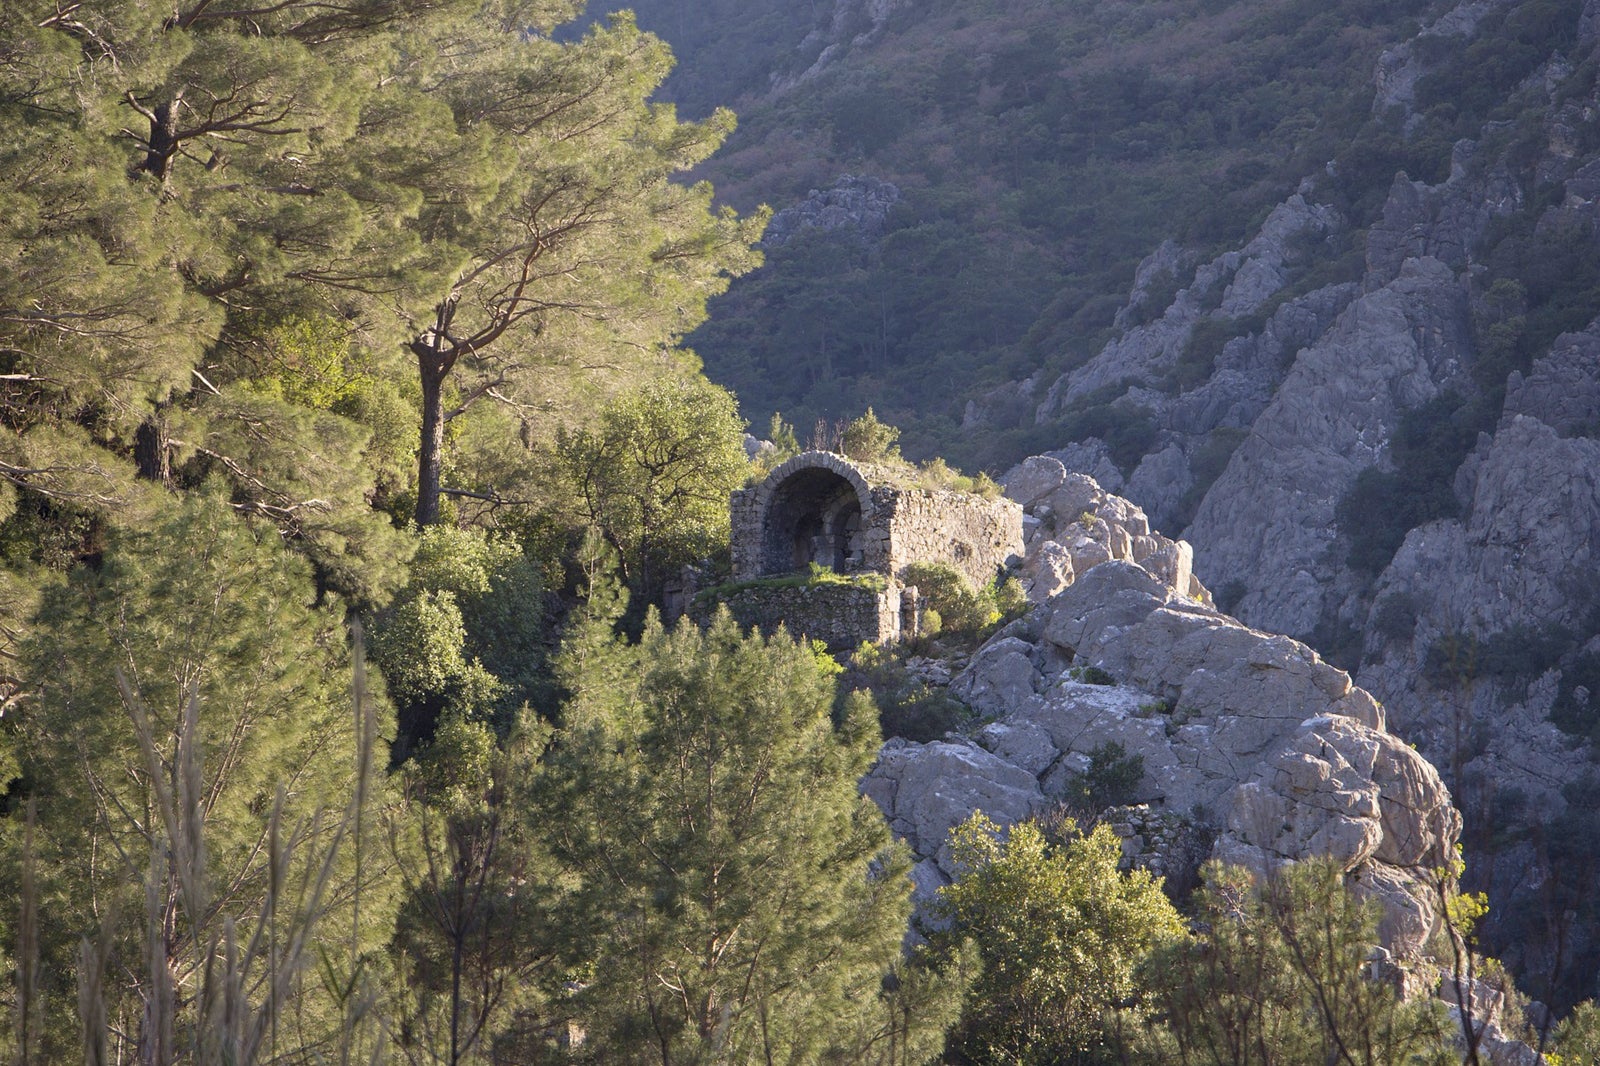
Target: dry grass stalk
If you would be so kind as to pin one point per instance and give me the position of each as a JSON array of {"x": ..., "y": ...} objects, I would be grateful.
[
  {"x": 210, "y": 997},
  {"x": 29, "y": 1005}
]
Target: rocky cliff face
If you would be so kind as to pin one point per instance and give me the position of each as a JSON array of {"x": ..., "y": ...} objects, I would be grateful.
[
  {"x": 1273, "y": 403},
  {"x": 1247, "y": 746}
]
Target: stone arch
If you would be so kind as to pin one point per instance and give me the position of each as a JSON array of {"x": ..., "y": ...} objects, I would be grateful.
[{"x": 815, "y": 508}]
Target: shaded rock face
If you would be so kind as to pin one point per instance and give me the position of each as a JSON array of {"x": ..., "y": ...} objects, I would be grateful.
[
  {"x": 1233, "y": 285},
  {"x": 857, "y": 204},
  {"x": 1245, "y": 735},
  {"x": 1267, "y": 398},
  {"x": 1391, "y": 350},
  {"x": 851, "y": 24}
]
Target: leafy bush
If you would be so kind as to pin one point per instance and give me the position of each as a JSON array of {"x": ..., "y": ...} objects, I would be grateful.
[
  {"x": 1111, "y": 780},
  {"x": 1206, "y": 464},
  {"x": 1062, "y": 934},
  {"x": 1091, "y": 675},
  {"x": 1575, "y": 712},
  {"x": 964, "y": 612},
  {"x": 907, "y": 705},
  {"x": 1267, "y": 951},
  {"x": 868, "y": 440},
  {"x": 655, "y": 473},
  {"x": 465, "y": 637}
]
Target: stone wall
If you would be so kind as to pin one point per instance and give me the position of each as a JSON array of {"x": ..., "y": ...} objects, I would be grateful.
[
  {"x": 841, "y": 616},
  {"x": 766, "y": 520},
  {"x": 978, "y": 536}
]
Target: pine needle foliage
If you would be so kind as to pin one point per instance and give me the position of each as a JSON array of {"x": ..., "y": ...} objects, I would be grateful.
[
  {"x": 204, "y": 797},
  {"x": 1281, "y": 975},
  {"x": 742, "y": 901}
]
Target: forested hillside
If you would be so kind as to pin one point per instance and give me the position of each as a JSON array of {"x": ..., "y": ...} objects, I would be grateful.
[
  {"x": 1039, "y": 158},
  {"x": 351, "y": 441},
  {"x": 1314, "y": 284}
]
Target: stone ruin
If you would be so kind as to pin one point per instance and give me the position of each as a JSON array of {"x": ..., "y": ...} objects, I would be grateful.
[{"x": 856, "y": 519}]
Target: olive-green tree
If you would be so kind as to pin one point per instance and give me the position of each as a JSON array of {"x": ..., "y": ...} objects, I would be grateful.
[
  {"x": 476, "y": 957},
  {"x": 654, "y": 475},
  {"x": 739, "y": 900},
  {"x": 1281, "y": 976},
  {"x": 192, "y": 753},
  {"x": 464, "y": 639},
  {"x": 1061, "y": 933}
]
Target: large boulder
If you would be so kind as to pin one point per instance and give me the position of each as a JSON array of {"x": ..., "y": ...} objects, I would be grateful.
[{"x": 1246, "y": 736}]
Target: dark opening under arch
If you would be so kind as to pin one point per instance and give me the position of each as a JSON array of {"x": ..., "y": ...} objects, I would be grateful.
[{"x": 813, "y": 516}]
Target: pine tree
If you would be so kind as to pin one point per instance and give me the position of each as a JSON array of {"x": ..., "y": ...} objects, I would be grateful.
[
  {"x": 568, "y": 244},
  {"x": 738, "y": 900},
  {"x": 1281, "y": 975},
  {"x": 191, "y": 673}
]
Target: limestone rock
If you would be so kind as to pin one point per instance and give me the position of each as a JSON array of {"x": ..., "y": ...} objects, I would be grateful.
[
  {"x": 1270, "y": 518},
  {"x": 1242, "y": 734},
  {"x": 1076, "y": 525},
  {"x": 1000, "y": 675},
  {"x": 925, "y": 790}
]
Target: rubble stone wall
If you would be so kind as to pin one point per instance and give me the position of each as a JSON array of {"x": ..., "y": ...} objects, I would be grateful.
[
  {"x": 978, "y": 536},
  {"x": 841, "y": 616}
]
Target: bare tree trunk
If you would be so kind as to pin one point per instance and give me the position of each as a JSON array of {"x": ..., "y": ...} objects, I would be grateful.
[
  {"x": 152, "y": 452},
  {"x": 163, "y": 144},
  {"x": 430, "y": 452}
]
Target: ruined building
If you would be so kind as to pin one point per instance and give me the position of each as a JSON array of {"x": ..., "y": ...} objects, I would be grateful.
[{"x": 866, "y": 524}]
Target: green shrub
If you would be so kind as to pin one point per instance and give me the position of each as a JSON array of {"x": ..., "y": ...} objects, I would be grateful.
[
  {"x": 1381, "y": 506},
  {"x": 907, "y": 706},
  {"x": 961, "y": 610},
  {"x": 1091, "y": 675},
  {"x": 1111, "y": 780},
  {"x": 868, "y": 440},
  {"x": 1063, "y": 935}
]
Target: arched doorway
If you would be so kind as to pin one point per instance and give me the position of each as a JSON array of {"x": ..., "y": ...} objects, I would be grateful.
[{"x": 812, "y": 516}]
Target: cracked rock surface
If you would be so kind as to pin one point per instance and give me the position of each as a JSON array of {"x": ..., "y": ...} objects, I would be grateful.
[{"x": 1245, "y": 733}]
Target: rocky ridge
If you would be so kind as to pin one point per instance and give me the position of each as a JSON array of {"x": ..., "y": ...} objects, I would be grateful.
[
  {"x": 1244, "y": 738},
  {"x": 1268, "y": 398}
]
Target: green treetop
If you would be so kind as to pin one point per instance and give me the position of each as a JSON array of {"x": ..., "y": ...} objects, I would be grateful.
[
  {"x": 743, "y": 902},
  {"x": 1061, "y": 933}
]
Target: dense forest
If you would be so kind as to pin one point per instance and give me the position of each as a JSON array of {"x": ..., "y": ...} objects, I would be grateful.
[
  {"x": 1038, "y": 159},
  {"x": 348, "y": 441}
]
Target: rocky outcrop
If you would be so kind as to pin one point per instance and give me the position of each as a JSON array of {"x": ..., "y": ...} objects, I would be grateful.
[
  {"x": 1484, "y": 623},
  {"x": 857, "y": 204},
  {"x": 1071, "y": 524},
  {"x": 1240, "y": 736},
  {"x": 1235, "y": 284},
  {"x": 1400, "y": 67}
]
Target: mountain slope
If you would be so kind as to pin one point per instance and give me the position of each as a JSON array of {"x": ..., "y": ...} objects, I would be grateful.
[{"x": 1316, "y": 285}]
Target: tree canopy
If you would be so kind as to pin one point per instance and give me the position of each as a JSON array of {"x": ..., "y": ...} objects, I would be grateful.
[{"x": 748, "y": 901}]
